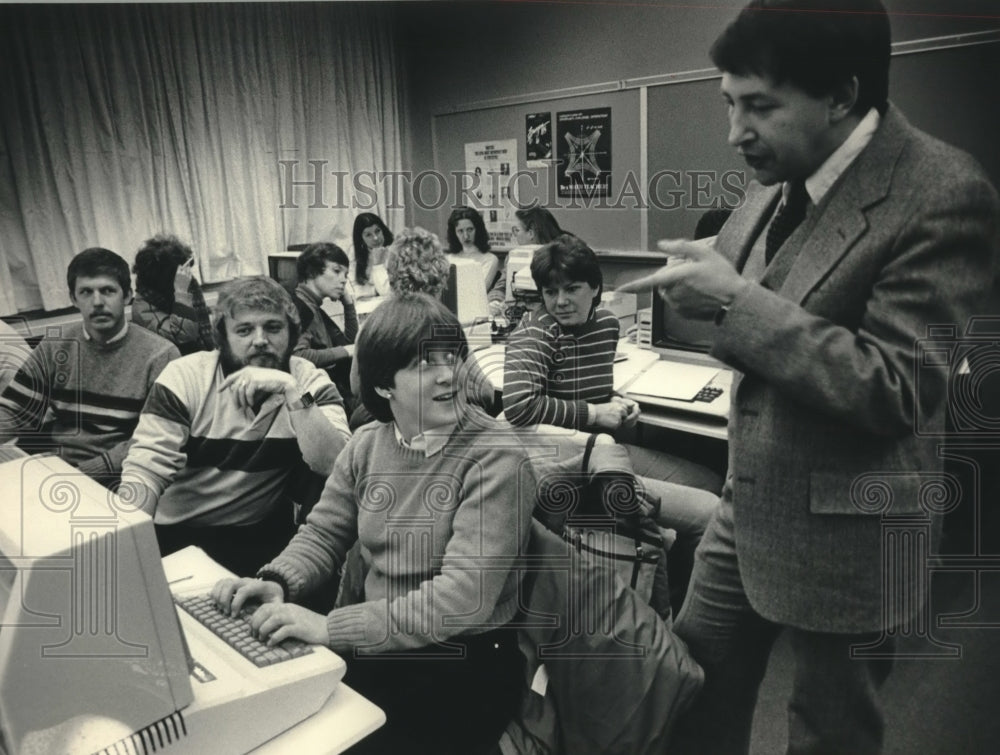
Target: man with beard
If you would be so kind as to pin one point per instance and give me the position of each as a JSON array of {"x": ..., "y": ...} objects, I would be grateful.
[
  {"x": 223, "y": 433},
  {"x": 79, "y": 393}
]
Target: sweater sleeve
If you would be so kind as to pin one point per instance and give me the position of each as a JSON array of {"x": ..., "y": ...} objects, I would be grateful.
[
  {"x": 25, "y": 400},
  {"x": 489, "y": 535},
  {"x": 321, "y": 544},
  {"x": 526, "y": 366},
  {"x": 156, "y": 454}
]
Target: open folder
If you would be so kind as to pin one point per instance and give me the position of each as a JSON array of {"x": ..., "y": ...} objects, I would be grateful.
[{"x": 676, "y": 381}]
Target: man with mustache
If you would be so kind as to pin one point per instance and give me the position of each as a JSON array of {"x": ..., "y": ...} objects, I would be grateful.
[
  {"x": 223, "y": 433},
  {"x": 79, "y": 393},
  {"x": 858, "y": 236}
]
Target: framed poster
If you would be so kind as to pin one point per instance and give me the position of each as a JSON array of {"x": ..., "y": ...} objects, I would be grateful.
[
  {"x": 492, "y": 163},
  {"x": 583, "y": 139},
  {"x": 538, "y": 139}
]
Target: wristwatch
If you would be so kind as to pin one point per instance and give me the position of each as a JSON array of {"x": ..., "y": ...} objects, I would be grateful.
[{"x": 302, "y": 402}]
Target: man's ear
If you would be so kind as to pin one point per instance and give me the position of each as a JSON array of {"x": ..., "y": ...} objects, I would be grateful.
[
  {"x": 843, "y": 99},
  {"x": 383, "y": 392}
]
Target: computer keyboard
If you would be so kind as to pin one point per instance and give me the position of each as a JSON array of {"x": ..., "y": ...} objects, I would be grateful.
[
  {"x": 708, "y": 394},
  {"x": 235, "y": 632}
]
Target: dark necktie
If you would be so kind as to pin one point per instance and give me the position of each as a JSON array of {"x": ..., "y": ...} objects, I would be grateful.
[{"x": 787, "y": 219}]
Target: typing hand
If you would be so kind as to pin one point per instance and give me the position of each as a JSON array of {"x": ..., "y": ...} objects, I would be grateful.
[
  {"x": 275, "y": 622},
  {"x": 231, "y": 594},
  {"x": 698, "y": 286}
]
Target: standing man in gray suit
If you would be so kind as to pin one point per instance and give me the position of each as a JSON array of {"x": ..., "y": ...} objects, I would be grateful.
[{"x": 859, "y": 232}]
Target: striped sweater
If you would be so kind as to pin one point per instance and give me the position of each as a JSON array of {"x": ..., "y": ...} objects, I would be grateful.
[
  {"x": 84, "y": 397},
  {"x": 441, "y": 535},
  {"x": 551, "y": 373},
  {"x": 209, "y": 462}
]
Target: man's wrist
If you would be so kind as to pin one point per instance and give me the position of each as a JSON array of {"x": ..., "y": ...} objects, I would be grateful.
[{"x": 296, "y": 401}]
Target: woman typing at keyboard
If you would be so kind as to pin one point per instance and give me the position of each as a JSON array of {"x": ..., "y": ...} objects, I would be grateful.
[{"x": 439, "y": 495}]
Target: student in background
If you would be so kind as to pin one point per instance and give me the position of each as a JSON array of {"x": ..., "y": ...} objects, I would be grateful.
[
  {"x": 370, "y": 237},
  {"x": 223, "y": 432},
  {"x": 168, "y": 299},
  {"x": 79, "y": 393},
  {"x": 559, "y": 365},
  {"x": 322, "y": 274},
  {"x": 531, "y": 226},
  {"x": 431, "y": 643},
  {"x": 416, "y": 264},
  {"x": 468, "y": 239},
  {"x": 858, "y": 234},
  {"x": 534, "y": 225}
]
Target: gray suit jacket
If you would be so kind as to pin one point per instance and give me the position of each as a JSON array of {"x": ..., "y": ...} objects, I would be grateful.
[{"x": 835, "y": 423}]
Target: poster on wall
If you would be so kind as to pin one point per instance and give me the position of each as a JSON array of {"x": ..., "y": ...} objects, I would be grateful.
[
  {"x": 583, "y": 143},
  {"x": 538, "y": 139},
  {"x": 492, "y": 163}
]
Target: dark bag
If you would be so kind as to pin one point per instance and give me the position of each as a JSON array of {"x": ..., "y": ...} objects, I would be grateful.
[{"x": 602, "y": 511}]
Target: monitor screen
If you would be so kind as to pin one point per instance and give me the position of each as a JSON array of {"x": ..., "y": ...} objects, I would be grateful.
[
  {"x": 465, "y": 294},
  {"x": 281, "y": 266},
  {"x": 678, "y": 337}
]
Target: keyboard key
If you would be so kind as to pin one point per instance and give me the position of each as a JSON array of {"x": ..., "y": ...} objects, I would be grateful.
[{"x": 235, "y": 632}]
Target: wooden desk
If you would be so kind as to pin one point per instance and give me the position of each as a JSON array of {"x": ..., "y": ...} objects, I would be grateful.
[{"x": 491, "y": 358}]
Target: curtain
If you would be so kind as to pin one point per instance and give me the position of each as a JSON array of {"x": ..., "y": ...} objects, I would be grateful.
[{"x": 240, "y": 128}]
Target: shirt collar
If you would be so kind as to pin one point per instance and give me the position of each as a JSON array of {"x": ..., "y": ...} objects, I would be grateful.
[
  {"x": 820, "y": 182},
  {"x": 429, "y": 442},
  {"x": 121, "y": 334},
  {"x": 307, "y": 293}
]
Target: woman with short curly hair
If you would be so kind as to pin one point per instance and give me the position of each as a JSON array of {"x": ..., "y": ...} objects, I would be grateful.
[{"x": 416, "y": 263}]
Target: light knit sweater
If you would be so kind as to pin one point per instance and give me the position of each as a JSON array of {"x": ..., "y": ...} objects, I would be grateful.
[
  {"x": 440, "y": 535},
  {"x": 90, "y": 393}
]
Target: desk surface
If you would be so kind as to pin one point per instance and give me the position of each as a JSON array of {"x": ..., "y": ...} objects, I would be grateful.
[
  {"x": 345, "y": 720},
  {"x": 679, "y": 417}
]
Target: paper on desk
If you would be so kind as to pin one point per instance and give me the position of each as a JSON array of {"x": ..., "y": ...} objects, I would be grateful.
[
  {"x": 192, "y": 567},
  {"x": 673, "y": 380}
]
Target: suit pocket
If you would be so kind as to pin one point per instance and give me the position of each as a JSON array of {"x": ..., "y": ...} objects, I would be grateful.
[{"x": 877, "y": 493}]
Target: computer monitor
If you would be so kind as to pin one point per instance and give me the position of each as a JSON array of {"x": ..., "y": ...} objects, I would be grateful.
[
  {"x": 94, "y": 655},
  {"x": 465, "y": 294},
  {"x": 519, "y": 259},
  {"x": 283, "y": 267},
  {"x": 89, "y": 628},
  {"x": 680, "y": 338}
]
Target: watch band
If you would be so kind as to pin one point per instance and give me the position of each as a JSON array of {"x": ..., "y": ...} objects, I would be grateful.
[{"x": 302, "y": 402}]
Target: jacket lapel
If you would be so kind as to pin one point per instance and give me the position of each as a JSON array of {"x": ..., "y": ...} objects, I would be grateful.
[
  {"x": 841, "y": 219},
  {"x": 737, "y": 236}
]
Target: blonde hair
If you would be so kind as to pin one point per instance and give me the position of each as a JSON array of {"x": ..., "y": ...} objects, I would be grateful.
[{"x": 416, "y": 263}]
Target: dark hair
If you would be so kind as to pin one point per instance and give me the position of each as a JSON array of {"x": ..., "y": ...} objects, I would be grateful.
[
  {"x": 569, "y": 259},
  {"x": 539, "y": 220},
  {"x": 361, "y": 222},
  {"x": 156, "y": 265},
  {"x": 313, "y": 260},
  {"x": 99, "y": 261},
  {"x": 813, "y": 46},
  {"x": 258, "y": 293},
  {"x": 467, "y": 213},
  {"x": 395, "y": 336}
]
